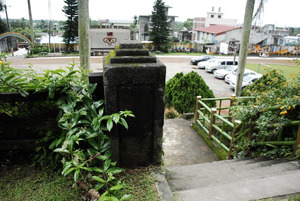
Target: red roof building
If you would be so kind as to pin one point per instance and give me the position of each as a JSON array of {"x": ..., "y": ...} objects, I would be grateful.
[
  {"x": 216, "y": 33},
  {"x": 217, "y": 29}
]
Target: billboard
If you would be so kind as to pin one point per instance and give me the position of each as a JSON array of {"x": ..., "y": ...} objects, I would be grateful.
[{"x": 107, "y": 38}]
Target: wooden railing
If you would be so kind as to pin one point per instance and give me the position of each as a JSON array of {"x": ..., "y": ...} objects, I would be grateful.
[{"x": 220, "y": 127}]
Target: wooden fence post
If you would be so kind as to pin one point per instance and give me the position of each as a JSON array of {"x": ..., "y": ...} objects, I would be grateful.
[
  {"x": 297, "y": 143},
  {"x": 196, "y": 116},
  {"x": 235, "y": 129},
  {"x": 212, "y": 121},
  {"x": 232, "y": 100},
  {"x": 251, "y": 130}
]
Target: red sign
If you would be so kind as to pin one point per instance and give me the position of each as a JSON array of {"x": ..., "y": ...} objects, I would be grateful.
[{"x": 109, "y": 40}]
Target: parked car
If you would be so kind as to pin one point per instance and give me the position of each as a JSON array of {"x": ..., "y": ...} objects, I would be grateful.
[
  {"x": 196, "y": 60},
  {"x": 221, "y": 73},
  {"x": 247, "y": 80},
  {"x": 232, "y": 76},
  {"x": 219, "y": 65},
  {"x": 202, "y": 64}
]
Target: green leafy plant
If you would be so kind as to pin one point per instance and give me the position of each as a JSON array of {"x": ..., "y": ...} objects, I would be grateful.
[
  {"x": 275, "y": 106},
  {"x": 182, "y": 90},
  {"x": 83, "y": 145}
]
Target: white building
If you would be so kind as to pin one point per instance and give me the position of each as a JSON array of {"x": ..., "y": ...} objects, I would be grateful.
[
  {"x": 216, "y": 34},
  {"x": 213, "y": 17}
]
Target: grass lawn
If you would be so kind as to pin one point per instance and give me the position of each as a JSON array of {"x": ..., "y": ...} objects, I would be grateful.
[
  {"x": 21, "y": 181},
  {"x": 140, "y": 184},
  {"x": 26, "y": 183},
  {"x": 179, "y": 54},
  {"x": 286, "y": 70}
]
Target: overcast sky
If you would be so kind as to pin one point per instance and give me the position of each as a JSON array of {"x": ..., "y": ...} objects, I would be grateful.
[{"x": 282, "y": 13}]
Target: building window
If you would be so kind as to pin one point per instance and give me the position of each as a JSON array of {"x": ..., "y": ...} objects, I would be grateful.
[
  {"x": 212, "y": 16},
  {"x": 219, "y": 16}
]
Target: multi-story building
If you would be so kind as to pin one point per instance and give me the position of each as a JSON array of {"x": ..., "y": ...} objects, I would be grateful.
[
  {"x": 144, "y": 26},
  {"x": 213, "y": 17}
]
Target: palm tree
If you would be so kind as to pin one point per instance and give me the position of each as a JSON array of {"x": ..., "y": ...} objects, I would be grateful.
[
  {"x": 84, "y": 45},
  {"x": 245, "y": 39},
  {"x": 31, "y": 23}
]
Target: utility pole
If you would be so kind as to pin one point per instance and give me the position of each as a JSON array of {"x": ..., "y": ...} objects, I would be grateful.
[
  {"x": 244, "y": 46},
  {"x": 49, "y": 25},
  {"x": 84, "y": 42},
  {"x": 31, "y": 23}
]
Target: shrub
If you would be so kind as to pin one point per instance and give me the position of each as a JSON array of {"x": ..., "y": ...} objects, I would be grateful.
[
  {"x": 37, "y": 49},
  {"x": 182, "y": 90},
  {"x": 272, "y": 80},
  {"x": 171, "y": 113},
  {"x": 275, "y": 106}
]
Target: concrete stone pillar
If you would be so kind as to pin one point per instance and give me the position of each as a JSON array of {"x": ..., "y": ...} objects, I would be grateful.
[{"x": 135, "y": 80}]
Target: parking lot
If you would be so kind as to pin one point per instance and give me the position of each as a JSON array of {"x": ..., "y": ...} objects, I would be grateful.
[{"x": 174, "y": 64}]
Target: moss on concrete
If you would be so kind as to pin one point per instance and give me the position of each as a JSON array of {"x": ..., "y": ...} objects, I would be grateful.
[{"x": 220, "y": 153}]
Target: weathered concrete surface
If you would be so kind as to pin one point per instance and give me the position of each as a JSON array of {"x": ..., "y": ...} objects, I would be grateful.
[
  {"x": 183, "y": 146},
  {"x": 235, "y": 180},
  {"x": 132, "y": 83}
]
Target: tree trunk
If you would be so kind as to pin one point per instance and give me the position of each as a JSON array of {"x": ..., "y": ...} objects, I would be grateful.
[
  {"x": 244, "y": 46},
  {"x": 31, "y": 23},
  {"x": 84, "y": 43}
]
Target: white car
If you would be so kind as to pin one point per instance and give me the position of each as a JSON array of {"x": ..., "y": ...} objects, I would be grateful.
[
  {"x": 196, "y": 60},
  {"x": 202, "y": 64},
  {"x": 219, "y": 65},
  {"x": 221, "y": 73},
  {"x": 247, "y": 80},
  {"x": 232, "y": 76}
]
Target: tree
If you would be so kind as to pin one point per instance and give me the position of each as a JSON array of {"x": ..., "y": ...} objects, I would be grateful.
[
  {"x": 188, "y": 24},
  {"x": 2, "y": 24},
  {"x": 160, "y": 31},
  {"x": 84, "y": 45},
  {"x": 25, "y": 32},
  {"x": 71, "y": 25},
  {"x": 30, "y": 23},
  {"x": 245, "y": 40}
]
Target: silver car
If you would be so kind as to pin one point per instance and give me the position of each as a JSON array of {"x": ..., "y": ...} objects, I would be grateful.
[
  {"x": 220, "y": 65},
  {"x": 205, "y": 63},
  {"x": 247, "y": 80},
  {"x": 221, "y": 73},
  {"x": 232, "y": 76}
]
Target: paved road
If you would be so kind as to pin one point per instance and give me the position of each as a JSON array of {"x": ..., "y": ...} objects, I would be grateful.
[{"x": 174, "y": 64}]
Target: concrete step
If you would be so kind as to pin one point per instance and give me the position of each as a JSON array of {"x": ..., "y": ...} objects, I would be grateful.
[
  {"x": 132, "y": 52},
  {"x": 210, "y": 176},
  {"x": 245, "y": 189},
  {"x": 132, "y": 59},
  {"x": 199, "y": 170}
]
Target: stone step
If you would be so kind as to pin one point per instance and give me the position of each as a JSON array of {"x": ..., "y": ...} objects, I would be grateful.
[
  {"x": 132, "y": 52},
  {"x": 245, "y": 189},
  {"x": 198, "y": 170},
  {"x": 210, "y": 177},
  {"x": 133, "y": 59},
  {"x": 131, "y": 45}
]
